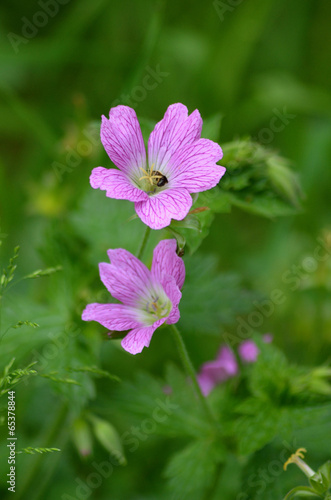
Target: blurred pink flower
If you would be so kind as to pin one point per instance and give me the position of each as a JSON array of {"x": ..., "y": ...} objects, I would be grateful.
[
  {"x": 267, "y": 338},
  {"x": 214, "y": 372},
  {"x": 179, "y": 163},
  {"x": 149, "y": 298},
  {"x": 248, "y": 351}
]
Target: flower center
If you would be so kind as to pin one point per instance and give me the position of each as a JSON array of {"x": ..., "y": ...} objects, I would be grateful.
[
  {"x": 152, "y": 180},
  {"x": 158, "y": 307}
]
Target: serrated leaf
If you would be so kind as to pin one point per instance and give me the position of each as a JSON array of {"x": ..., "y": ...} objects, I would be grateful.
[
  {"x": 257, "y": 428},
  {"x": 211, "y": 300},
  {"x": 191, "y": 471}
]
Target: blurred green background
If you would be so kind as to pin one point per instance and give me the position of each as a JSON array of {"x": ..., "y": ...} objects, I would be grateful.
[{"x": 249, "y": 62}]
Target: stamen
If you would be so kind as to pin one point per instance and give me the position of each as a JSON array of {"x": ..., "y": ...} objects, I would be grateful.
[
  {"x": 149, "y": 175},
  {"x": 294, "y": 457}
]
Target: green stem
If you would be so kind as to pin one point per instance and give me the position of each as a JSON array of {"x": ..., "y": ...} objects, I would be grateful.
[
  {"x": 143, "y": 243},
  {"x": 190, "y": 370},
  {"x": 47, "y": 441}
]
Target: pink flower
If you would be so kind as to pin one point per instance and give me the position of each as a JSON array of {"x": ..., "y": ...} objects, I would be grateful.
[
  {"x": 179, "y": 163},
  {"x": 248, "y": 351},
  {"x": 267, "y": 338},
  {"x": 149, "y": 298},
  {"x": 214, "y": 372}
]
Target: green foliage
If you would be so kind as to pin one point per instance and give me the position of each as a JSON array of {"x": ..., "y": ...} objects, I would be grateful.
[
  {"x": 257, "y": 180},
  {"x": 320, "y": 485},
  {"x": 10, "y": 378},
  {"x": 211, "y": 300},
  {"x": 226, "y": 60},
  {"x": 275, "y": 406},
  {"x": 191, "y": 471},
  {"x": 82, "y": 437},
  {"x": 108, "y": 437},
  {"x": 111, "y": 230},
  {"x": 94, "y": 370},
  {"x": 8, "y": 273},
  {"x": 27, "y": 323}
]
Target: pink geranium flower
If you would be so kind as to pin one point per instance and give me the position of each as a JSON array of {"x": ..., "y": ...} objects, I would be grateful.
[
  {"x": 149, "y": 297},
  {"x": 248, "y": 351},
  {"x": 215, "y": 372},
  {"x": 179, "y": 163}
]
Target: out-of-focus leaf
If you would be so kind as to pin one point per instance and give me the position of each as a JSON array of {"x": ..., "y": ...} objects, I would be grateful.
[
  {"x": 211, "y": 300},
  {"x": 191, "y": 471},
  {"x": 256, "y": 180},
  {"x": 211, "y": 127},
  {"x": 108, "y": 436},
  {"x": 82, "y": 437},
  {"x": 304, "y": 491},
  {"x": 103, "y": 223}
]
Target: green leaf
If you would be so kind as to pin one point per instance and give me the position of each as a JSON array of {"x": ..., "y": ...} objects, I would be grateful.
[
  {"x": 189, "y": 222},
  {"x": 82, "y": 437},
  {"x": 211, "y": 127},
  {"x": 200, "y": 222},
  {"x": 321, "y": 481},
  {"x": 211, "y": 300},
  {"x": 108, "y": 436},
  {"x": 257, "y": 428},
  {"x": 301, "y": 490},
  {"x": 191, "y": 471},
  {"x": 109, "y": 229},
  {"x": 257, "y": 180}
]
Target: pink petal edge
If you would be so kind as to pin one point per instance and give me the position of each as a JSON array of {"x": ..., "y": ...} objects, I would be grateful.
[{"x": 158, "y": 210}]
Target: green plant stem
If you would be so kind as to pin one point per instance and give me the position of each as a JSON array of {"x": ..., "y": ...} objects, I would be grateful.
[
  {"x": 190, "y": 371},
  {"x": 143, "y": 242},
  {"x": 47, "y": 440}
]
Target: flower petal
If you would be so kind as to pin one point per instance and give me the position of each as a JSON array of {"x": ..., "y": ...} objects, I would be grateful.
[
  {"x": 126, "y": 278},
  {"x": 159, "y": 209},
  {"x": 116, "y": 184},
  {"x": 206, "y": 383},
  {"x": 248, "y": 351},
  {"x": 138, "y": 338},
  {"x": 122, "y": 139},
  {"x": 174, "y": 294},
  {"x": 112, "y": 316},
  {"x": 167, "y": 262},
  {"x": 174, "y": 131},
  {"x": 224, "y": 367},
  {"x": 194, "y": 166}
]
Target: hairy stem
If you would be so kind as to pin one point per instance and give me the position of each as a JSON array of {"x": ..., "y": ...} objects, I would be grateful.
[
  {"x": 143, "y": 243},
  {"x": 190, "y": 371}
]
